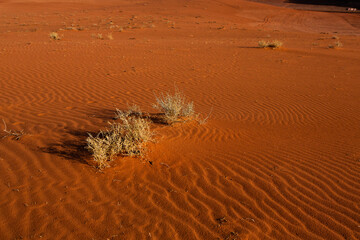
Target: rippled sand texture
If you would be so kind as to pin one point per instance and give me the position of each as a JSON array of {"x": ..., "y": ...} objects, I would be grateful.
[{"x": 279, "y": 157}]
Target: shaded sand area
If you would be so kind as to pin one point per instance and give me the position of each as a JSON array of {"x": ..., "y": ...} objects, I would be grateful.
[
  {"x": 316, "y": 5},
  {"x": 279, "y": 157}
]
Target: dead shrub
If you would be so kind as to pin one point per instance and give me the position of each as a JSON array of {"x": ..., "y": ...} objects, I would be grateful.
[
  {"x": 127, "y": 138},
  {"x": 137, "y": 133},
  {"x": 99, "y": 146}
]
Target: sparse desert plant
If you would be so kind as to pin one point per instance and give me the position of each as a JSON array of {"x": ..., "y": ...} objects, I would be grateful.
[
  {"x": 99, "y": 146},
  {"x": 100, "y": 36},
  {"x": 270, "y": 44},
  {"x": 110, "y": 36},
  {"x": 54, "y": 36},
  {"x": 336, "y": 44},
  {"x": 127, "y": 138},
  {"x": 136, "y": 133},
  {"x": 174, "y": 106}
]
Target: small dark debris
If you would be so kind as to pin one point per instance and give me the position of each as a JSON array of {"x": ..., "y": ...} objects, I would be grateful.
[
  {"x": 221, "y": 220},
  {"x": 231, "y": 235}
]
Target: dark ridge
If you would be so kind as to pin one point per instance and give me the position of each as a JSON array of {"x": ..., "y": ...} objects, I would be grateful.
[{"x": 342, "y": 3}]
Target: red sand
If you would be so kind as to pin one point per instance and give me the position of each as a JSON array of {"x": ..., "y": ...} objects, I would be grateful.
[{"x": 278, "y": 159}]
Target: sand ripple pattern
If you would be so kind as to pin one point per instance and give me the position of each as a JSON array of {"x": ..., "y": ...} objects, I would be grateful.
[{"x": 278, "y": 158}]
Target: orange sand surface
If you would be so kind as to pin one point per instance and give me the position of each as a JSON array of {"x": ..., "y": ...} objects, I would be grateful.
[{"x": 279, "y": 157}]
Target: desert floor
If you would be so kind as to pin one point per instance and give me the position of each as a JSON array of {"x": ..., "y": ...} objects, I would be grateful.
[{"x": 279, "y": 157}]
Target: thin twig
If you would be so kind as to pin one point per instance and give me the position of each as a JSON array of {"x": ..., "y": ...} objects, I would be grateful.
[
  {"x": 164, "y": 164},
  {"x": 16, "y": 134},
  {"x": 203, "y": 121},
  {"x": 249, "y": 219}
]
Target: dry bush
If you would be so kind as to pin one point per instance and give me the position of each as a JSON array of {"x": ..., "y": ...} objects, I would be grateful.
[
  {"x": 336, "y": 44},
  {"x": 99, "y": 146},
  {"x": 54, "y": 36},
  {"x": 136, "y": 132},
  {"x": 270, "y": 44},
  {"x": 175, "y": 107},
  {"x": 126, "y": 138},
  {"x": 110, "y": 36}
]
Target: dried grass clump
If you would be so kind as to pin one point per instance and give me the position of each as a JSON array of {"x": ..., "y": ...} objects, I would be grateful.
[
  {"x": 174, "y": 107},
  {"x": 136, "y": 133},
  {"x": 100, "y": 148},
  {"x": 336, "y": 44},
  {"x": 126, "y": 138},
  {"x": 270, "y": 44},
  {"x": 54, "y": 36}
]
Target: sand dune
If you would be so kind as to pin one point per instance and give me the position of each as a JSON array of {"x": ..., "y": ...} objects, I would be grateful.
[{"x": 279, "y": 157}]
